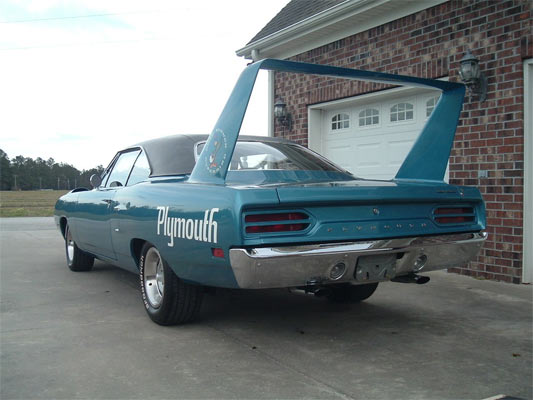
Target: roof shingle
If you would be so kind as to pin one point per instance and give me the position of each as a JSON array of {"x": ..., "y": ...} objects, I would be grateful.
[{"x": 292, "y": 13}]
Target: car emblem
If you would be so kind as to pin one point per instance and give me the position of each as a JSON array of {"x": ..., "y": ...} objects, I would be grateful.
[
  {"x": 217, "y": 150},
  {"x": 375, "y": 211}
]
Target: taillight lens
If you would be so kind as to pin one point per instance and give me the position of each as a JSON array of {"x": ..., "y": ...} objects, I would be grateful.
[
  {"x": 454, "y": 215},
  {"x": 283, "y": 222},
  {"x": 452, "y": 210},
  {"x": 454, "y": 220}
]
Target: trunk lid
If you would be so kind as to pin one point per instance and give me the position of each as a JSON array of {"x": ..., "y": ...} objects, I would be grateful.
[
  {"x": 365, "y": 209},
  {"x": 373, "y": 191}
]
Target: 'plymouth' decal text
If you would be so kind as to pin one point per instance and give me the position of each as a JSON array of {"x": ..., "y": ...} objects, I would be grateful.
[{"x": 202, "y": 230}]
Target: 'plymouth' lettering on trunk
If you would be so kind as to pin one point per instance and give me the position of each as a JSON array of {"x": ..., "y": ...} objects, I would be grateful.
[{"x": 201, "y": 230}]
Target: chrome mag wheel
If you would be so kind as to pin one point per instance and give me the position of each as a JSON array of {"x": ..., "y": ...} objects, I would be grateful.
[
  {"x": 77, "y": 260},
  {"x": 70, "y": 247},
  {"x": 154, "y": 277},
  {"x": 167, "y": 299}
]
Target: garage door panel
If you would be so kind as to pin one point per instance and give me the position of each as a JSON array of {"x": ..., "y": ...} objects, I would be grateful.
[
  {"x": 395, "y": 129},
  {"x": 340, "y": 136},
  {"x": 342, "y": 155},
  {"x": 397, "y": 151},
  {"x": 367, "y": 164},
  {"x": 368, "y": 133},
  {"x": 364, "y": 155}
]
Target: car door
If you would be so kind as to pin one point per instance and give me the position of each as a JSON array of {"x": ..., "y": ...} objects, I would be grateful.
[
  {"x": 95, "y": 208},
  {"x": 129, "y": 206}
]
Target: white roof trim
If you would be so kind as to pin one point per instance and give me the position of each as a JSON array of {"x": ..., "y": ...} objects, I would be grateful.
[{"x": 327, "y": 26}]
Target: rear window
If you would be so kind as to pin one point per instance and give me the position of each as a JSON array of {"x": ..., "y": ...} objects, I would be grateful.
[{"x": 276, "y": 156}]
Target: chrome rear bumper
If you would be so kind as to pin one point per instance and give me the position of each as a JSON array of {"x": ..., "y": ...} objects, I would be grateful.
[{"x": 293, "y": 266}]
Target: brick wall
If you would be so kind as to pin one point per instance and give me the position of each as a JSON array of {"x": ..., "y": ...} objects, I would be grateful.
[{"x": 489, "y": 137}]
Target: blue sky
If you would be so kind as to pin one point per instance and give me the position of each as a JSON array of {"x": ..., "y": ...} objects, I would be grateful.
[{"x": 81, "y": 79}]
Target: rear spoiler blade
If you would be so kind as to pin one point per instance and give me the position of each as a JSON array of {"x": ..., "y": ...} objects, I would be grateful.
[{"x": 427, "y": 159}]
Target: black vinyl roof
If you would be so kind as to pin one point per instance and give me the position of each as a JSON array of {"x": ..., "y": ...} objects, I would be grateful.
[{"x": 174, "y": 155}]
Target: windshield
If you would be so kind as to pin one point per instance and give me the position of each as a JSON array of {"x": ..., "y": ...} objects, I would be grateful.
[{"x": 276, "y": 156}]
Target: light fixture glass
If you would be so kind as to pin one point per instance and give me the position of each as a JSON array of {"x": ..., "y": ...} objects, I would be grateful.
[
  {"x": 472, "y": 76},
  {"x": 280, "y": 109},
  {"x": 282, "y": 115}
]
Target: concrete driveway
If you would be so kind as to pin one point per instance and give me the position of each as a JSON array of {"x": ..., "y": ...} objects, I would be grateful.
[{"x": 86, "y": 335}]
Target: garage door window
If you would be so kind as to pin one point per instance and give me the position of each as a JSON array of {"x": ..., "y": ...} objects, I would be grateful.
[
  {"x": 340, "y": 121},
  {"x": 369, "y": 116},
  {"x": 430, "y": 105},
  {"x": 401, "y": 112}
]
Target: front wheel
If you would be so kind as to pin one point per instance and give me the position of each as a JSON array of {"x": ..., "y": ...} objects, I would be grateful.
[
  {"x": 168, "y": 299},
  {"x": 77, "y": 260},
  {"x": 346, "y": 293}
]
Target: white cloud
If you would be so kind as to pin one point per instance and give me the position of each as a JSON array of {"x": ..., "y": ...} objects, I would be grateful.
[{"x": 80, "y": 89}]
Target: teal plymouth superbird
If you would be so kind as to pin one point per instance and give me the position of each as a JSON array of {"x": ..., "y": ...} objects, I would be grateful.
[{"x": 191, "y": 212}]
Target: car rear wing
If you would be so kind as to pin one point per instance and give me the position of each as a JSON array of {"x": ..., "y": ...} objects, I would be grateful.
[{"x": 427, "y": 159}]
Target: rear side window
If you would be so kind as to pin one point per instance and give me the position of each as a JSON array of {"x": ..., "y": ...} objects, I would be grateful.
[
  {"x": 140, "y": 171},
  {"x": 121, "y": 169}
]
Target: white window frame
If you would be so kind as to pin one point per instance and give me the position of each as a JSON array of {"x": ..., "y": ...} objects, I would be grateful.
[
  {"x": 369, "y": 107},
  {"x": 339, "y": 130},
  {"x": 426, "y": 105},
  {"x": 390, "y": 105}
]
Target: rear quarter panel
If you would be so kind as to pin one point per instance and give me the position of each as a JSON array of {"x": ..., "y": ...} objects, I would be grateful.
[{"x": 174, "y": 216}]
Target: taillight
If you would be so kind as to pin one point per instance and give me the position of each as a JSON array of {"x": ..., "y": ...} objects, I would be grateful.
[
  {"x": 454, "y": 215},
  {"x": 277, "y": 222}
]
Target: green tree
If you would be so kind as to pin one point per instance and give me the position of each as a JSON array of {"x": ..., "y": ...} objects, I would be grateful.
[
  {"x": 25, "y": 173},
  {"x": 6, "y": 174}
]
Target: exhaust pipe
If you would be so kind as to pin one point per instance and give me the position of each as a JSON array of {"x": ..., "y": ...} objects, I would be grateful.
[
  {"x": 314, "y": 286},
  {"x": 411, "y": 278},
  {"x": 318, "y": 291}
]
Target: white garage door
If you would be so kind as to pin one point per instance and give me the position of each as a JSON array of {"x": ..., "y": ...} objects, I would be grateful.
[{"x": 371, "y": 139}]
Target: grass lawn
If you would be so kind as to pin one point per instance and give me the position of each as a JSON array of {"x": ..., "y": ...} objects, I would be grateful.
[{"x": 29, "y": 203}]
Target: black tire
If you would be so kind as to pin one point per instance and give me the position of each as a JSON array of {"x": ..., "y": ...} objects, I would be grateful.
[
  {"x": 346, "y": 293},
  {"x": 168, "y": 300},
  {"x": 77, "y": 260}
]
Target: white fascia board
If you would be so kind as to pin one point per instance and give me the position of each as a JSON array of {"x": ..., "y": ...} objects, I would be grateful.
[{"x": 306, "y": 34}]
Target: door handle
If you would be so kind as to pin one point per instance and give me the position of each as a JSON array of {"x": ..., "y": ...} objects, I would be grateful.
[{"x": 120, "y": 207}]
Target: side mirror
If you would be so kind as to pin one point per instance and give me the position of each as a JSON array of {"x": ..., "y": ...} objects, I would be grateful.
[{"x": 95, "y": 180}]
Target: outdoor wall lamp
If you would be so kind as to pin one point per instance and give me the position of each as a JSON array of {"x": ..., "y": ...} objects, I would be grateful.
[
  {"x": 472, "y": 76},
  {"x": 283, "y": 117}
]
